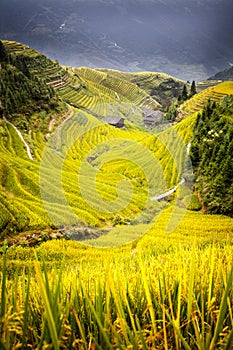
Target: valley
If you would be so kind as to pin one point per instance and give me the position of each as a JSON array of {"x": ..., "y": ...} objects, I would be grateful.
[{"x": 92, "y": 255}]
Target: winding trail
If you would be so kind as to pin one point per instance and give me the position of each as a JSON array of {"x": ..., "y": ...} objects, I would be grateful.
[
  {"x": 117, "y": 96},
  {"x": 182, "y": 181},
  {"x": 188, "y": 147},
  {"x": 165, "y": 194},
  {"x": 22, "y": 139}
]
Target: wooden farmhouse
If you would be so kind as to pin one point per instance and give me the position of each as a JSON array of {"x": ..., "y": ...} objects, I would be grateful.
[
  {"x": 150, "y": 117},
  {"x": 115, "y": 121}
]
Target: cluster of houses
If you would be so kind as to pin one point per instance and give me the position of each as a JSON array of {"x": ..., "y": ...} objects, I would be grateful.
[{"x": 149, "y": 116}]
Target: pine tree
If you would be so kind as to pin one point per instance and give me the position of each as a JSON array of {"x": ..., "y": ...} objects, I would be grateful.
[
  {"x": 184, "y": 93},
  {"x": 3, "y": 53},
  {"x": 193, "y": 89}
]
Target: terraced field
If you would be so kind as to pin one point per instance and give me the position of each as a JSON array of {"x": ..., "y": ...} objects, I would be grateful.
[
  {"x": 215, "y": 93},
  {"x": 40, "y": 65},
  {"x": 125, "y": 167},
  {"x": 120, "y": 86},
  {"x": 166, "y": 282},
  {"x": 84, "y": 146},
  {"x": 202, "y": 85},
  {"x": 85, "y": 88},
  {"x": 159, "y": 86}
]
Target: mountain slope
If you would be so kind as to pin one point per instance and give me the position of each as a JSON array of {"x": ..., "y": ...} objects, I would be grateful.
[
  {"x": 24, "y": 179},
  {"x": 215, "y": 93},
  {"x": 226, "y": 74},
  {"x": 118, "y": 170},
  {"x": 161, "y": 87},
  {"x": 191, "y": 40},
  {"x": 85, "y": 88},
  {"x": 25, "y": 100},
  {"x": 212, "y": 156}
]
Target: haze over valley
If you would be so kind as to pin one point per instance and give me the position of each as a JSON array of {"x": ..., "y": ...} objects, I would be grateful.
[{"x": 185, "y": 38}]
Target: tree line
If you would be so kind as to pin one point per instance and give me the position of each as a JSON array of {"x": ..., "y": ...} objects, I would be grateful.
[
  {"x": 185, "y": 95},
  {"x": 22, "y": 94},
  {"x": 212, "y": 156}
]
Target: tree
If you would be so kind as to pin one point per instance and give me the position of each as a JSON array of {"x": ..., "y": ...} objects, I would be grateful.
[
  {"x": 184, "y": 95},
  {"x": 193, "y": 89},
  {"x": 172, "y": 112},
  {"x": 3, "y": 53}
]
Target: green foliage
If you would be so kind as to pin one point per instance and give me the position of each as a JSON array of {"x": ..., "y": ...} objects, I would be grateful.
[
  {"x": 23, "y": 95},
  {"x": 193, "y": 89},
  {"x": 3, "y": 53},
  {"x": 211, "y": 154},
  {"x": 184, "y": 95},
  {"x": 172, "y": 112}
]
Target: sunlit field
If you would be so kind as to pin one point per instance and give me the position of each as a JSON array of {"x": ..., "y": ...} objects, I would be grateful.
[
  {"x": 164, "y": 291},
  {"x": 90, "y": 258}
]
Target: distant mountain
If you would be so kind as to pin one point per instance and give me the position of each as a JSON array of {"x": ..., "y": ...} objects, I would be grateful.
[
  {"x": 226, "y": 74},
  {"x": 186, "y": 39}
]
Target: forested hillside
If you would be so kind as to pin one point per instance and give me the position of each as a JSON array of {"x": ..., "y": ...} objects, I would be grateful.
[
  {"x": 212, "y": 156},
  {"x": 25, "y": 100}
]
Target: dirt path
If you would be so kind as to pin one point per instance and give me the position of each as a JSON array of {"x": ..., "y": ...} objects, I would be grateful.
[
  {"x": 165, "y": 194},
  {"x": 21, "y": 137},
  {"x": 182, "y": 181},
  {"x": 51, "y": 124}
]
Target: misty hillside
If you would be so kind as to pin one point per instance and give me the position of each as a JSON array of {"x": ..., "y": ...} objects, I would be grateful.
[
  {"x": 226, "y": 74},
  {"x": 187, "y": 39}
]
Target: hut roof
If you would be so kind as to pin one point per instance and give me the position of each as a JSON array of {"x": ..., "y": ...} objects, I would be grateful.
[
  {"x": 113, "y": 119},
  {"x": 151, "y": 114}
]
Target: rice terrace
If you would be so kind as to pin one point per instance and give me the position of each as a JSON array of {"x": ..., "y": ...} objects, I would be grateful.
[{"x": 115, "y": 221}]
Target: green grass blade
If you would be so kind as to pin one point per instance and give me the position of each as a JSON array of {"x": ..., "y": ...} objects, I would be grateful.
[
  {"x": 25, "y": 320},
  {"x": 191, "y": 285},
  {"x": 222, "y": 311},
  {"x": 144, "y": 346},
  {"x": 106, "y": 339},
  {"x": 229, "y": 342},
  {"x": 2, "y": 346},
  {"x": 180, "y": 336},
  {"x": 47, "y": 304},
  {"x": 3, "y": 287}
]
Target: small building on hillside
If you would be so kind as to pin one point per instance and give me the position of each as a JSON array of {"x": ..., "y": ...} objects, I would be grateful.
[
  {"x": 150, "y": 117},
  {"x": 115, "y": 121}
]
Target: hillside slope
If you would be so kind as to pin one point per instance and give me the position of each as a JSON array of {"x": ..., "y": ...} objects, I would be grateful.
[
  {"x": 212, "y": 156},
  {"x": 118, "y": 170},
  {"x": 224, "y": 75},
  {"x": 215, "y": 93},
  {"x": 161, "y": 87},
  {"x": 91, "y": 89},
  {"x": 27, "y": 195},
  {"x": 25, "y": 100}
]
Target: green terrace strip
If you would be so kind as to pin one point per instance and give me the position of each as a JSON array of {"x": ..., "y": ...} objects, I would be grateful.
[{"x": 215, "y": 93}]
